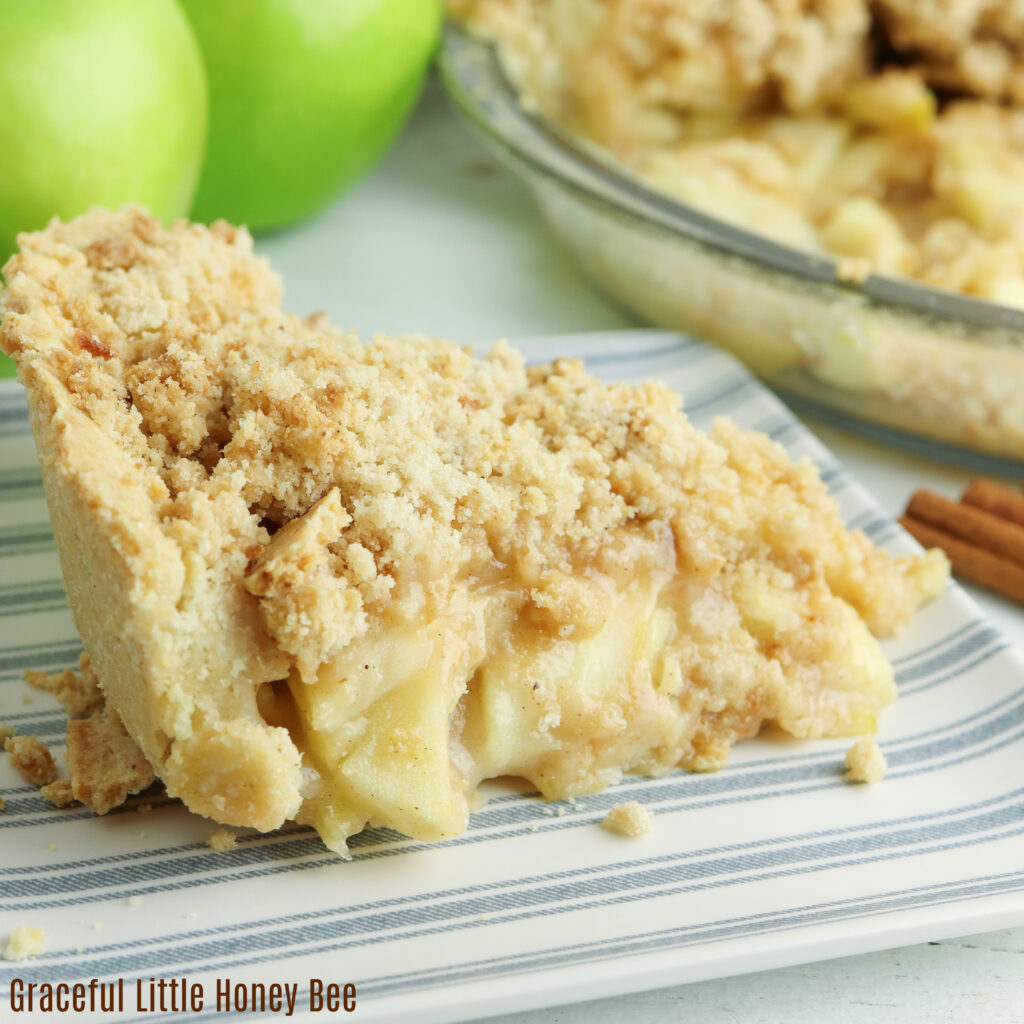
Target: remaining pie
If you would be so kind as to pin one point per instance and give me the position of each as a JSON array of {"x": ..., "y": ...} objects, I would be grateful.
[
  {"x": 968, "y": 45},
  {"x": 829, "y": 126},
  {"x": 345, "y": 582}
]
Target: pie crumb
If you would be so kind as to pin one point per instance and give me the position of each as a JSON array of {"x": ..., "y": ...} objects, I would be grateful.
[
  {"x": 105, "y": 764},
  {"x": 32, "y": 758},
  {"x": 2, "y": 804},
  {"x": 6, "y": 731},
  {"x": 632, "y": 820},
  {"x": 853, "y": 269},
  {"x": 25, "y": 942},
  {"x": 865, "y": 761},
  {"x": 221, "y": 839},
  {"x": 58, "y": 793},
  {"x": 134, "y": 901},
  {"x": 78, "y": 693}
]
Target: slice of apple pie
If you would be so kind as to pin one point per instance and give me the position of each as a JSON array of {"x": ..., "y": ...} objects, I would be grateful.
[{"x": 344, "y": 582}]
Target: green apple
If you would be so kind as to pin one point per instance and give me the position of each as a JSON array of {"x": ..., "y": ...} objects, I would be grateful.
[
  {"x": 304, "y": 96},
  {"x": 101, "y": 102}
]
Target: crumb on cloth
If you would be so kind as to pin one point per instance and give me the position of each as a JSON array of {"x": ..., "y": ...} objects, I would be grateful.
[
  {"x": 105, "y": 764},
  {"x": 78, "y": 693},
  {"x": 58, "y": 793},
  {"x": 865, "y": 761},
  {"x": 221, "y": 839},
  {"x": 631, "y": 819},
  {"x": 32, "y": 758},
  {"x": 25, "y": 942}
]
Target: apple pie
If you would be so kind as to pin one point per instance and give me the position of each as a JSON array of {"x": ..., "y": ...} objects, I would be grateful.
[{"x": 344, "y": 583}]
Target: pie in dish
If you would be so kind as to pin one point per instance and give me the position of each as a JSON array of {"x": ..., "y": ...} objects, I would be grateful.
[
  {"x": 873, "y": 131},
  {"x": 344, "y": 582}
]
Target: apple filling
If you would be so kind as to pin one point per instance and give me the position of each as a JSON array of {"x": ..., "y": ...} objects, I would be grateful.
[
  {"x": 627, "y": 665},
  {"x": 569, "y": 686}
]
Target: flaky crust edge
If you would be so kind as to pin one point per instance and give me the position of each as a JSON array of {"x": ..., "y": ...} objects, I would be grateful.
[{"x": 128, "y": 590}]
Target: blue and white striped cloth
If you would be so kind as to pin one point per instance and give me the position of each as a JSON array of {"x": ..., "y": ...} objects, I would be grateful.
[{"x": 773, "y": 860}]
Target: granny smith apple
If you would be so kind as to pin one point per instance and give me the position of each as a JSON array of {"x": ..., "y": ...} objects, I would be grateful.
[
  {"x": 101, "y": 101},
  {"x": 304, "y": 96}
]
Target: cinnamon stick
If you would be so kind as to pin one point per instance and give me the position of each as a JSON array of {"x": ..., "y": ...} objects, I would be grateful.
[
  {"x": 995, "y": 498},
  {"x": 971, "y": 562},
  {"x": 980, "y": 528}
]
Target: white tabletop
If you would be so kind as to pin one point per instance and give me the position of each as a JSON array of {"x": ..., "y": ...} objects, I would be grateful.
[{"x": 441, "y": 240}]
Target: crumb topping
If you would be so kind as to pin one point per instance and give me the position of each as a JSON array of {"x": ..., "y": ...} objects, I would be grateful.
[
  {"x": 434, "y": 466},
  {"x": 977, "y": 45},
  {"x": 628, "y": 61}
]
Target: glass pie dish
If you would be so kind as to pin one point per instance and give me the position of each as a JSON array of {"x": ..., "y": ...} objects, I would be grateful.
[{"x": 933, "y": 370}]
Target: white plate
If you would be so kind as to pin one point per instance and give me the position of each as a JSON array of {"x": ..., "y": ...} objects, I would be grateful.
[{"x": 774, "y": 860}]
